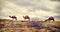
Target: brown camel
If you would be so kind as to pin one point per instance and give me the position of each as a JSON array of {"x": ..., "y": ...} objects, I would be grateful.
[
  {"x": 13, "y": 17},
  {"x": 50, "y": 18},
  {"x": 26, "y": 17}
]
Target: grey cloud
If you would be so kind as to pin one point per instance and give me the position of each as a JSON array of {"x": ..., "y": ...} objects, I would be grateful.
[
  {"x": 25, "y": 4},
  {"x": 57, "y": 9},
  {"x": 58, "y": 16},
  {"x": 32, "y": 4},
  {"x": 3, "y": 14},
  {"x": 46, "y": 16},
  {"x": 44, "y": 8},
  {"x": 13, "y": 0},
  {"x": 55, "y": 0},
  {"x": 35, "y": 6}
]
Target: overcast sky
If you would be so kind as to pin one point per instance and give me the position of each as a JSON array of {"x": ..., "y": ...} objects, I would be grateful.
[{"x": 34, "y": 8}]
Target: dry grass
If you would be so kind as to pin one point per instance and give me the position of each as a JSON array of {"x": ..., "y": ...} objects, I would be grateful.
[{"x": 24, "y": 26}]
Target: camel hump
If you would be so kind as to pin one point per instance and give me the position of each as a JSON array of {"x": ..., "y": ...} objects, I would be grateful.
[
  {"x": 26, "y": 17},
  {"x": 51, "y": 17},
  {"x": 12, "y": 16}
]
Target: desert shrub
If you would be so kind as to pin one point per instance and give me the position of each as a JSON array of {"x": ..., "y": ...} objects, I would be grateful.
[
  {"x": 58, "y": 27},
  {"x": 36, "y": 31},
  {"x": 18, "y": 25},
  {"x": 53, "y": 31},
  {"x": 35, "y": 25},
  {"x": 22, "y": 30},
  {"x": 15, "y": 25},
  {"x": 48, "y": 28},
  {"x": 2, "y": 26},
  {"x": 1, "y": 31}
]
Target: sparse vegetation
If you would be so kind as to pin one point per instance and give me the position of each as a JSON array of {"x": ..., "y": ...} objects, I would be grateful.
[{"x": 27, "y": 26}]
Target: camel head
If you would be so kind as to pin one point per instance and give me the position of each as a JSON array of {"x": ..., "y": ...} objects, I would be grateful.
[
  {"x": 9, "y": 16},
  {"x": 23, "y": 16}
]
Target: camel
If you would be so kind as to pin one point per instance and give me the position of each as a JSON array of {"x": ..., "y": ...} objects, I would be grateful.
[
  {"x": 13, "y": 17},
  {"x": 50, "y": 18},
  {"x": 26, "y": 17}
]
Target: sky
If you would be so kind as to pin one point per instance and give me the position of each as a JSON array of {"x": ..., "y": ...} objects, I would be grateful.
[{"x": 41, "y": 9}]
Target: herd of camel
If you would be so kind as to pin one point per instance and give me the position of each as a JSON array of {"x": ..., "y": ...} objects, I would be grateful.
[{"x": 27, "y": 17}]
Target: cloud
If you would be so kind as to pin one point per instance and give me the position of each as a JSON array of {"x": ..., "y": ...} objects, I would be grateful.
[
  {"x": 44, "y": 8},
  {"x": 25, "y": 4},
  {"x": 34, "y": 4},
  {"x": 55, "y": 0},
  {"x": 38, "y": 8},
  {"x": 57, "y": 9},
  {"x": 58, "y": 16},
  {"x": 33, "y": 8}
]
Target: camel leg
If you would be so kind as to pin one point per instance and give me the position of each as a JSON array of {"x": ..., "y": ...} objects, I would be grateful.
[
  {"x": 45, "y": 20},
  {"x": 15, "y": 18},
  {"x": 49, "y": 20},
  {"x": 53, "y": 20},
  {"x": 29, "y": 19}
]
